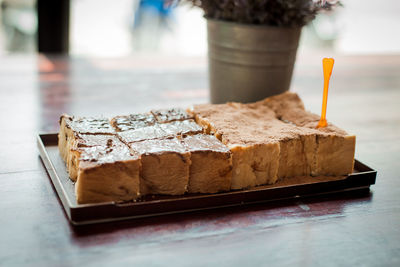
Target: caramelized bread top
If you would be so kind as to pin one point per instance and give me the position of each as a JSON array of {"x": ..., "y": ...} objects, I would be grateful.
[
  {"x": 140, "y": 134},
  {"x": 186, "y": 127},
  {"x": 97, "y": 155},
  {"x": 89, "y": 140},
  {"x": 133, "y": 121},
  {"x": 159, "y": 146},
  {"x": 173, "y": 114},
  {"x": 88, "y": 125},
  {"x": 204, "y": 142},
  {"x": 159, "y": 131}
]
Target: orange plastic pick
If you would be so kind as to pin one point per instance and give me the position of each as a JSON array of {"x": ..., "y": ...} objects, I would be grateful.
[{"x": 327, "y": 64}]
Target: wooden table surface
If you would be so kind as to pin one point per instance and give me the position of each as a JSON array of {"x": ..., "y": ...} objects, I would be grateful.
[{"x": 353, "y": 229}]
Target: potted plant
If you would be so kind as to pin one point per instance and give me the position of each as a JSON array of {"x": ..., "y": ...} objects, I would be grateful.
[{"x": 252, "y": 45}]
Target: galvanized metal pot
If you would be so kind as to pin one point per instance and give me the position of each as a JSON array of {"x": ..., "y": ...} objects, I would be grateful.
[{"x": 249, "y": 62}]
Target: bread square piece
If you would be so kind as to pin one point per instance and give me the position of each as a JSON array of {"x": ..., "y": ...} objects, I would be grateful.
[
  {"x": 165, "y": 166},
  {"x": 133, "y": 121},
  {"x": 70, "y": 125},
  {"x": 335, "y": 154},
  {"x": 211, "y": 168},
  {"x": 107, "y": 174},
  {"x": 87, "y": 140},
  {"x": 334, "y": 148},
  {"x": 169, "y": 115}
]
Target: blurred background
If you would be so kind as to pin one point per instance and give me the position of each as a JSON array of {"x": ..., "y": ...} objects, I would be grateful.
[{"x": 119, "y": 28}]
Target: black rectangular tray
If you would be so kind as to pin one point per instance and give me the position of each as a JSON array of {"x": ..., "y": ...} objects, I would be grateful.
[{"x": 78, "y": 214}]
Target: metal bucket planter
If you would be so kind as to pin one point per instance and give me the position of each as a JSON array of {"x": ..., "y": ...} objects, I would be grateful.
[{"x": 249, "y": 62}]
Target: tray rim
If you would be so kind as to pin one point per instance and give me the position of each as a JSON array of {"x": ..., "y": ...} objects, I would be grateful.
[{"x": 72, "y": 209}]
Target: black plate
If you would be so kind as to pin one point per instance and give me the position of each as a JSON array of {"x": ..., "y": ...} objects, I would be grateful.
[{"x": 361, "y": 178}]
